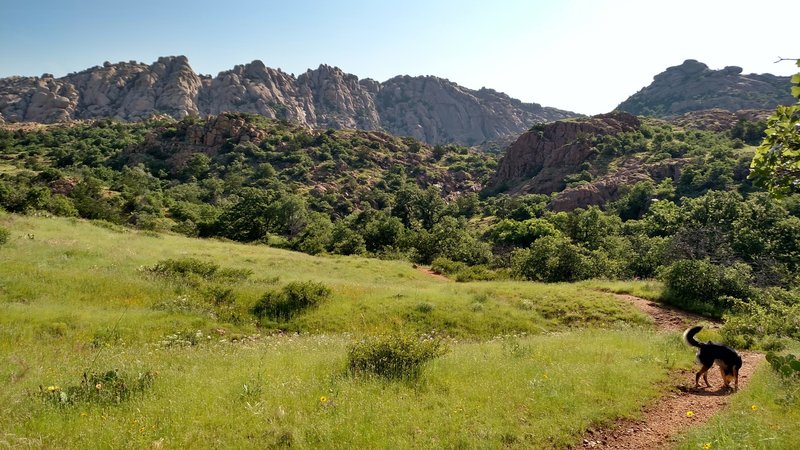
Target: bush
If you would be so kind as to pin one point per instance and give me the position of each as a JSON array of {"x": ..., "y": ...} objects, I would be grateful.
[
  {"x": 396, "y": 356},
  {"x": 194, "y": 268},
  {"x": 551, "y": 259},
  {"x": 105, "y": 388},
  {"x": 294, "y": 298},
  {"x": 4, "y": 235},
  {"x": 702, "y": 286},
  {"x": 762, "y": 321}
]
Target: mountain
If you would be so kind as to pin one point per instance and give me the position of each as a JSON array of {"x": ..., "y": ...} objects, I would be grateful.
[
  {"x": 431, "y": 109},
  {"x": 692, "y": 86}
]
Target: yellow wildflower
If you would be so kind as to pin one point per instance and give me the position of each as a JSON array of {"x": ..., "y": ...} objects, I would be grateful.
[
  {"x": 98, "y": 386},
  {"x": 323, "y": 399},
  {"x": 754, "y": 407},
  {"x": 84, "y": 414},
  {"x": 52, "y": 388},
  {"x": 689, "y": 413},
  {"x": 707, "y": 446}
]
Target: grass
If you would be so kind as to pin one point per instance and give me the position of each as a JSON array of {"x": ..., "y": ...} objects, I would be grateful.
[
  {"x": 68, "y": 271},
  {"x": 511, "y": 391},
  {"x": 531, "y": 365},
  {"x": 647, "y": 289}
]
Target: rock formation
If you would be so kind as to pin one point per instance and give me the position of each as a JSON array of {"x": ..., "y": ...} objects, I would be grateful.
[
  {"x": 692, "y": 86},
  {"x": 431, "y": 109}
]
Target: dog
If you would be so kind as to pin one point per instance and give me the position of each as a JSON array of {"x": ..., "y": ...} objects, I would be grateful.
[{"x": 728, "y": 360}]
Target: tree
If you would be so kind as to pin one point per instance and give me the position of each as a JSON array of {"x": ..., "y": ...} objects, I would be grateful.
[{"x": 776, "y": 164}]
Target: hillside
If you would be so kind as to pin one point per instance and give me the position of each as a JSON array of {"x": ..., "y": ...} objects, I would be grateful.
[
  {"x": 430, "y": 109},
  {"x": 692, "y": 86}
]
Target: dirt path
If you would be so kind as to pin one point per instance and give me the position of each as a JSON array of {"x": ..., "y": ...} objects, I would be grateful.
[
  {"x": 427, "y": 271},
  {"x": 683, "y": 407}
]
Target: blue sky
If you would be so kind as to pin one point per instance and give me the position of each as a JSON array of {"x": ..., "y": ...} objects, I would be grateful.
[{"x": 581, "y": 55}]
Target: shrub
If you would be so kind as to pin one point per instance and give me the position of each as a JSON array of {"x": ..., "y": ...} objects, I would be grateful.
[
  {"x": 551, "y": 259},
  {"x": 761, "y": 321},
  {"x": 111, "y": 387},
  {"x": 294, "y": 298},
  {"x": 195, "y": 268},
  {"x": 396, "y": 356},
  {"x": 702, "y": 286}
]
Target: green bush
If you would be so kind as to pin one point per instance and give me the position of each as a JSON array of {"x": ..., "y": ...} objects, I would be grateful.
[
  {"x": 4, "y": 235},
  {"x": 193, "y": 268},
  {"x": 702, "y": 286},
  {"x": 395, "y": 356},
  {"x": 294, "y": 298},
  {"x": 763, "y": 320},
  {"x": 551, "y": 259}
]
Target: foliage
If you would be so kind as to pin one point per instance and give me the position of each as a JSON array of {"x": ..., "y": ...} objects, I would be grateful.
[
  {"x": 699, "y": 285},
  {"x": 776, "y": 164},
  {"x": 394, "y": 356},
  {"x": 769, "y": 316},
  {"x": 788, "y": 366},
  {"x": 4, "y": 235},
  {"x": 292, "y": 299}
]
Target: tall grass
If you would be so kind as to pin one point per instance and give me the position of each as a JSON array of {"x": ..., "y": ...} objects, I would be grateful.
[{"x": 525, "y": 392}]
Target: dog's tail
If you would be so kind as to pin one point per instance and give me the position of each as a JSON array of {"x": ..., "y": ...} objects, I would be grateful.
[{"x": 688, "y": 336}]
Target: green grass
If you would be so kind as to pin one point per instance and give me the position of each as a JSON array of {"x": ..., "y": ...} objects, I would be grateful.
[
  {"x": 69, "y": 271},
  {"x": 522, "y": 392},
  {"x": 530, "y": 365},
  {"x": 648, "y": 289}
]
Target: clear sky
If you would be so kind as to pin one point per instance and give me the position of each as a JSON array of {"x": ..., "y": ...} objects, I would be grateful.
[{"x": 585, "y": 56}]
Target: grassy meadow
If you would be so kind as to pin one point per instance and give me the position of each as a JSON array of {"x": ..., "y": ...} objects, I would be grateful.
[{"x": 529, "y": 365}]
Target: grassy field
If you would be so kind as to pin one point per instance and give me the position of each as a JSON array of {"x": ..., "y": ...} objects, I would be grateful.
[{"x": 529, "y": 365}]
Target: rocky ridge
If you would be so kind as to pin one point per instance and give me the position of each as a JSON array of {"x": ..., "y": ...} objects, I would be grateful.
[
  {"x": 692, "y": 86},
  {"x": 431, "y": 109}
]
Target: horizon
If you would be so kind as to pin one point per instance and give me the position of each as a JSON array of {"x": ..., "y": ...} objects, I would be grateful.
[{"x": 553, "y": 54}]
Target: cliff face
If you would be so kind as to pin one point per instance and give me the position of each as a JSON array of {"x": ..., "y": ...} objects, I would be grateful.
[
  {"x": 431, "y": 109},
  {"x": 539, "y": 161},
  {"x": 692, "y": 86}
]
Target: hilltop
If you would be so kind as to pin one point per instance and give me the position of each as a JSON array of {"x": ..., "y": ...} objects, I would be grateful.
[{"x": 692, "y": 86}]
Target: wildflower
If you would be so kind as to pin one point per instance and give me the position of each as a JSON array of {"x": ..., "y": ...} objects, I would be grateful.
[
  {"x": 689, "y": 413},
  {"x": 84, "y": 414},
  {"x": 323, "y": 399},
  {"x": 98, "y": 386},
  {"x": 52, "y": 388},
  {"x": 754, "y": 407},
  {"x": 707, "y": 446}
]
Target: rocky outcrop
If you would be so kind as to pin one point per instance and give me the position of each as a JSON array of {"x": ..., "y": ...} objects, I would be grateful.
[
  {"x": 431, "y": 109},
  {"x": 692, "y": 86},
  {"x": 612, "y": 186},
  {"x": 718, "y": 119},
  {"x": 538, "y": 161}
]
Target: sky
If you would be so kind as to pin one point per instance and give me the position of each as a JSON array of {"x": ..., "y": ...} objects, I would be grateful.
[{"x": 579, "y": 55}]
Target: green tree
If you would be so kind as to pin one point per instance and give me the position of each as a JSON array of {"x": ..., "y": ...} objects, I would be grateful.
[{"x": 776, "y": 164}]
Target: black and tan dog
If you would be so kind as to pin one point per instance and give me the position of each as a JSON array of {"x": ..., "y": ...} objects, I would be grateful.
[{"x": 727, "y": 359}]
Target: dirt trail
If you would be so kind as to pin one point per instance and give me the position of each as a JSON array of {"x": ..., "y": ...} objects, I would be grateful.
[{"x": 684, "y": 406}]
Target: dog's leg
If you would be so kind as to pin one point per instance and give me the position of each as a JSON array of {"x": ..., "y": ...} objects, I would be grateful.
[
  {"x": 724, "y": 378},
  {"x": 736, "y": 378},
  {"x": 704, "y": 373}
]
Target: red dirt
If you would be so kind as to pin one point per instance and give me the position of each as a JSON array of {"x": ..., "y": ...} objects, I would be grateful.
[
  {"x": 433, "y": 274},
  {"x": 684, "y": 406}
]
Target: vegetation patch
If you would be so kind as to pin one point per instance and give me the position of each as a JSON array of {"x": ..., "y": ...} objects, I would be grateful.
[
  {"x": 394, "y": 356},
  {"x": 294, "y": 298},
  {"x": 110, "y": 387}
]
